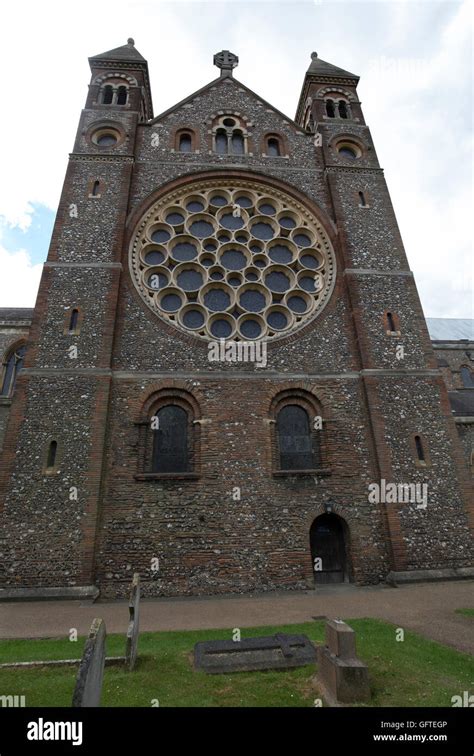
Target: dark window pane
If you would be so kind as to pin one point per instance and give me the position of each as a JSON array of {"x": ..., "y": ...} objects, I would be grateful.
[
  {"x": 294, "y": 439},
  {"x": 170, "y": 441},
  {"x": 185, "y": 143},
  {"x": 467, "y": 377},
  {"x": 13, "y": 366},
  {"x": 237, "y": 144},
  {"x": 108, "y": 95},
  {"x": 122, "y": 96},
  {"x": 221, "y": 143},
  {"x": 273, "y": 148}
]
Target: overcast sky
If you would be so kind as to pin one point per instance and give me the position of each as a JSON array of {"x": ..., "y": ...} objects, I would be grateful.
[{"x": 415, "y": 64}]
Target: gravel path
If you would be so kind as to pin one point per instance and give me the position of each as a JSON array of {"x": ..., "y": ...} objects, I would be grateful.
[{"x": 428, "y": 608}]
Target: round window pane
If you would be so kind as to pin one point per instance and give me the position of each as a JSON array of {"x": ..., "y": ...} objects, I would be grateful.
[
  {"x": 277, "y": 281},
  {"x": 252, "y": 301},
  {"x": 190, "y": 280},
  {"x": 155, "y": 257},
  {"x": 217, "y": 300},
  {"x": 287, "y": 222},
  {"x": 195, "y": 207},
  {"x": 193, "y": 319},
  {"x": 302, "y": 240},
  {"x": 232, "y": 222},
  {"x": 267, "y": 209},
  {"x": 277, "y": 320},
  {"x": 184, "y": 251},
  {"x": 251, "y": 329},
  {"x": 171, "y": 302},
  {"x": 262, "y": 231},
  {"x": 201, "y": 229},
  {"x": 233, "y": 259},
  {"x": 174, "y": 219},
  {"x": 280, "y": 254},
  {"x": 218, "y": 201},
  {"x": 160, "y": 236},
  {"x": 107, "y": 140},
  {"x": 297, "y": 304},
  {"x": 221, "y": 329}
]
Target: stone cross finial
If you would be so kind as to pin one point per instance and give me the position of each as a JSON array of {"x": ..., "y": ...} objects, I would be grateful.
[{"x": 226, "y": 61}]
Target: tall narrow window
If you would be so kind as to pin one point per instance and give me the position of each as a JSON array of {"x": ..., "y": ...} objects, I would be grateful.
[
  {"x": 122, "y": 96},
  {"x": 420, "y": 453},
  {"x": 52, "y": 451},
  {"x": 12, "y": 367},
  {"x": 96, "y": 189},
  {"x": 363, "y": 203},
  {"x": 342, "y": 109},
  {"x": 273, "y": 147},
  {"x": 390, "y": 322},
  {"x": 330, "y": 112},
  {"x": 170, "y": 441},
  {"x": 467, "y": 377},
  {"x": 108, "y": 95},
  {"x": 237, "y": 142},
  {"x": 221, "y": 142},
  {"x": 185, "y": 143},
  {"x": 73, "y": 321},
  {"x": 294, "y": 439}
]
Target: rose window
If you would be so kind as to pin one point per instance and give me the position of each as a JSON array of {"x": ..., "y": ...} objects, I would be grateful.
[{"x": 238, "y": 260}]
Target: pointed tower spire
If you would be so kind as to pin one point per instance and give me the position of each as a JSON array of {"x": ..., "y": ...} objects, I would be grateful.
[{"x": 319, "y": 74}]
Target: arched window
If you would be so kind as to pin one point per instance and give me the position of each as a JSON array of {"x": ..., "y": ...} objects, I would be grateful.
[
  {"x": 221, "y": 142},
  {"x": 185, "y": 143},
  {"x": 420, "y": 453},
  {"x": 12, "y": 366},
  {"x": 122, "y": 93},
  {"x": 108, "y": 94},
  {"x": 273, "y": 147},
  {"x": 343, "y": 109},
  {"x": 170, "y": 440},
  {"x": 237, "y": 142},
  {"x": 294, "y": 438},
  {"x": 467, "y": 377},
  {"x": 52, "y": 452},
  {"x": 363, "y": 203},
  {"x": 96, "y": 189},
  {"x": 330, "y": 111}
]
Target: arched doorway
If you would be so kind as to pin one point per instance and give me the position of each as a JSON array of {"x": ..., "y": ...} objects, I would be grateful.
[{"x": 328, "y": 549}]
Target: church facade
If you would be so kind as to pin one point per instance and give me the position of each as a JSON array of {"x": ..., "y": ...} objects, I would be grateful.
[{"x": 228, "y": 384}]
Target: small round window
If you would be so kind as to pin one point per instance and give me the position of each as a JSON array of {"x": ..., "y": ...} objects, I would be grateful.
[
  {"x": 105, "y": 137},
  {"x": 349, "y": 150}
]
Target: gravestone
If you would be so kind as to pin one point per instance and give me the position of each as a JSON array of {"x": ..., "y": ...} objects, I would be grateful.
[
  {"x": 269, "y": 652},
  {"x": 90, "y": 675},
  {"x": 343, "y": 676},
  {"x": 133, "y": 625}
]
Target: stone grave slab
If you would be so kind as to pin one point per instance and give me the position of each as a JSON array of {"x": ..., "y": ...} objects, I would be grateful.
[
  {"x": 278, "y": 651},
  {"x": 133, "y": 625},
  {"x": 90, "y": 675}
]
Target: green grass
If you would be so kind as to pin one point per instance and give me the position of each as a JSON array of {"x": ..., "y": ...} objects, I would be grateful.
[
  {"x": 415, "y": 672},
  {"x": 466, "y": 612}
]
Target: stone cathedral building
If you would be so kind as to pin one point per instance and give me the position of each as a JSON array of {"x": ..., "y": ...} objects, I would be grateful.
[{"x": 131, "y": 444}]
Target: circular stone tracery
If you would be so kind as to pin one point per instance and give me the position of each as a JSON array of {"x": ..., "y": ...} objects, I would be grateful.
[{"x": 242, "y": 261}]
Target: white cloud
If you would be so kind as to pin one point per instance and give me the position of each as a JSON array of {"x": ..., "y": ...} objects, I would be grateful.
[{"x": 19, "y": 280}]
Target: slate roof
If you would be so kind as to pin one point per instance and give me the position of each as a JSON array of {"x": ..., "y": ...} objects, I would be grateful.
[
  {"x": 320, "y": 67},
  {"x": 450, "y": 329},
  {"x": 125, "y": 52}
]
